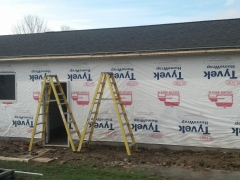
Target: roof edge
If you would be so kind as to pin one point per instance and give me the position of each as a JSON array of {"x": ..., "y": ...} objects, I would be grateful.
[{"x": 127, "y": 54}]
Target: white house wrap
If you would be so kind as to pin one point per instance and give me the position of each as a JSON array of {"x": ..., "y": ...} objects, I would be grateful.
[{"x": 186, "y": 100}]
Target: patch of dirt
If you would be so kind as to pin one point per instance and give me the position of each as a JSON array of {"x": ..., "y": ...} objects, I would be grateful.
[{"x": 110, "y": 156}]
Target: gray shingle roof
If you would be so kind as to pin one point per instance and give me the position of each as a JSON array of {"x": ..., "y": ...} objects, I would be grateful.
[{"x": 192, "y": 35}]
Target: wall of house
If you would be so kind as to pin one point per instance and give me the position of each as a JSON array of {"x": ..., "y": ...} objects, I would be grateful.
[{"x": 175, "y": 100}]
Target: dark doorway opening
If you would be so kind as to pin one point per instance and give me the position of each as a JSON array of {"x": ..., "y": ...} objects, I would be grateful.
[{"x": 56, "y": 132}]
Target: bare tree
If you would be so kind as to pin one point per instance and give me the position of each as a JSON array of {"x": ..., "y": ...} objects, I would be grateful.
[
  {"x": 66, "y": 28},
  {"x": 30, "y": 24}
]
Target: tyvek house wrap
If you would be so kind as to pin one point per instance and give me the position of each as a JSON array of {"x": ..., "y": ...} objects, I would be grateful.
[{"x": 187, "y": 100}]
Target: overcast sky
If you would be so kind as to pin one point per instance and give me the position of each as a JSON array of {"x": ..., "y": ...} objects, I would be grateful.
[{"x": 92, "y": 14}]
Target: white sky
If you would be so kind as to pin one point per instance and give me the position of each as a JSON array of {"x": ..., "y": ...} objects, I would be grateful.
[{"x": 92, "y": 14}]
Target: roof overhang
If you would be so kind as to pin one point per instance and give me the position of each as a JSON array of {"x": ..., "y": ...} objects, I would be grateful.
[{"x": 121, "y": 54}]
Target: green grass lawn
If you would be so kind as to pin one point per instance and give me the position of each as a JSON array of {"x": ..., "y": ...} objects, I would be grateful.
[{"x": 69, "y": 171}]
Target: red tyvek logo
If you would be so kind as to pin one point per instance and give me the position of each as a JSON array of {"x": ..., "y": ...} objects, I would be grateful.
[
  {"x": 7, "y": 103},
  {"x": 29, "y": 130},
  {"x": 232, "y": 82},
  {"x": 156, "y": 135},
  {"x": 89, "y": 84},
  {"x": 170, "y": 98},
  {"x": 132, "y": 83},
  {"x": 111, "y": 133},
  {"x": 221, "y": 98},
  {"x": 126, "y": 97},
  {"x": 81, "y": 97},
  {"x": 206, "y": 138},
  {"x": 179, "y": 83},
  {"x": 36, "y": 95}
]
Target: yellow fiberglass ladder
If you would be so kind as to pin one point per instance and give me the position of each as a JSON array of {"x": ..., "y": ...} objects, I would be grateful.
[
  {"x": 51, "y": 82},
  {"x": 107, "y": 77}
]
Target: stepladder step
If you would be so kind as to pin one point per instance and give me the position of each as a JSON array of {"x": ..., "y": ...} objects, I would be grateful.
[
  {"x": 41, "y": 123},
  {"x": 88, "y": 132},
  {"x": 63, "y": 103},
  {"x": 129, "y": 134},
  {"x": 69, "y": 122},
  {"x": 37, "y": 141},
  {"x": 87, "y": 141},
  {"x": 131, "y": 145},
  {"x": 42, "y": 113},
  {"x": 39, "y": 132},
  {"x": 90, "y": 122}
]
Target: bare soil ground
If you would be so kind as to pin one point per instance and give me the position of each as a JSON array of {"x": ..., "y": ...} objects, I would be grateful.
[{"x": 109, "y": 156}]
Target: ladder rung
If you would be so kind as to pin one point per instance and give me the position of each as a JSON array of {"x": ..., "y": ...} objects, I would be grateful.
[
  {"x": 107, "y": 99},
  {"x": 102, "y": 82},
  {"x": 94, "y": 112},
  {"x": 126, "y": 123},
  {"x": 88, "y": 132},
  {"x": 129, "y": 134},
  {"x": 86, "y": 141},
  {"x": 44, "y": 103},
  {"x": 42, "y": 114},
  {"x": 113, "y": 82},
  {"x": 122, "y": 113},
  {"x": 74, "y": 131},
  {"x": 37, "y": 141},
  {"x": 133, "y": 144},
  {"x": 51, "y": 101},
  {"x": 41, "y": 123},
  {"x": 39, "y": 132},
  {"x": 62, "y": 103},
  {"x": 66, "y": 113},
  {"x": 90, "y": 122}
]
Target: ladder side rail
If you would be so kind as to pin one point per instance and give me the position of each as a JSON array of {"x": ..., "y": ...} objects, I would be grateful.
[
  {"x": 46, "y": 110},
  {"x": 68, "y": 107},
  {"x": 90, "y": 113},
  {"x": 125, "y": 115},
  {"x": 61, "y": 112},
  {"x": 37, "y": 114},
  {"x": 118, "y": 115}
]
